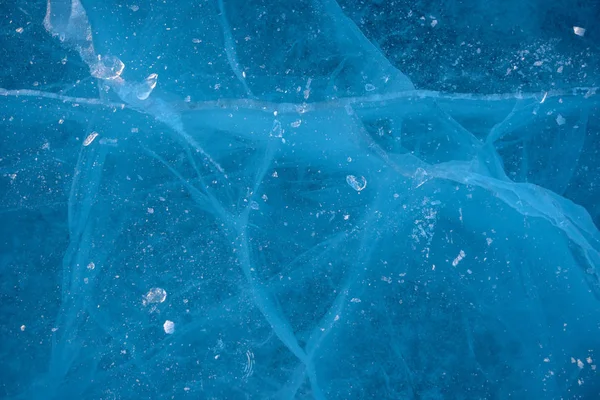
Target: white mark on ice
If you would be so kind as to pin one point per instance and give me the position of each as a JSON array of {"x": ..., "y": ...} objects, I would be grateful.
[
  {"x": 544, "y": 98},
  {"x": 560, "y": 120},
  {"x": 154, "y": 295},
  {"x": 91, "y": 266},
  {"x": 579, "y": 31},
  {"x": 357, "y": 184},
  {"x": 22, "y": 328},
  {"x": 249, "y": 367},
  {"x": 169, "y": 327},
  {"x": 458, "y": 258},
  {"x": 88, "y": 140},
  {"x": 369, "y": 87}
]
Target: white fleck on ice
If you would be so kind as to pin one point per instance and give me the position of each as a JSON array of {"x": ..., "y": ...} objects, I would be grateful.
[
  {"x": 19, "y": 30},
  {"x": 88, "y": 140},
  {"x": 579, "y": 31},
  {"x": 538, "y": 63},
  {"x": 150, "y": 210},
  {"x": 91, "y": 265},
  {"x": 357, "y": 184},
  {"x": 458, "y": 258},
  {"x": 22, "y": 328},
  {"x": 369, "y": 87},
  {"x": 154, "y": 295},
  {"x": 580, "y": 363},
  {"x": 355, "y": 300},
  {"x": 169, "y": 327},
  {"x": 434, "y": 23},
  {"x": 560, "y": 120}
]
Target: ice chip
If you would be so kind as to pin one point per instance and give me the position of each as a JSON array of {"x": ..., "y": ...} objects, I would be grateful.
[
  {"x": 356, "y": 183},
  {"x": 579, "y": 31},
  {"x": 169, "y": 327},
  {"x": 154, "y": 295}
]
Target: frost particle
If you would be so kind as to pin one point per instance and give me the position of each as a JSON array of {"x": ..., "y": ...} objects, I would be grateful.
[
  {"x": 169, "y": 327},
  {"x": 88, "y": 140},
  {"x": 458, "y": 258},
  {"x": 560, "y": 120},
  {"x": 579, "y": 31},
  {"x": 357, "y": 184}
]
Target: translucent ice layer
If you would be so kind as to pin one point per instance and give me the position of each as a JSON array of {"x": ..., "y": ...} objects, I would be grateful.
[{"x": 250, "y": 200}]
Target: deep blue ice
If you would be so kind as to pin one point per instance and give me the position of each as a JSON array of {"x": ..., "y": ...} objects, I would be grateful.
[{"x": 310, "y": 199}]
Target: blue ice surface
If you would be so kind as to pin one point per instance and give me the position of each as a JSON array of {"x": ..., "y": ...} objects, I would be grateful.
[{"x": 315, "y": 199}]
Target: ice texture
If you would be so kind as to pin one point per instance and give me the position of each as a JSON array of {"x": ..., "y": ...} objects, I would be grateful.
[{"x": 219, "y": 151}]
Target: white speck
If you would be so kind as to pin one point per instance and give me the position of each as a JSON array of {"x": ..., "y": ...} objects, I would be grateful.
[
  {"x": 22, "y": 328},
  {"x": 264, "y": 197},
  {"x": 134, "y": 8},
  {"x": 544, "y": 98},
  {"x": 19, "y": 30},
  {"x": 88, "y": 140},
  {"x": 589, "y": 360},
  {"x": 217, "y": 356},
  {"x": 355, "y": 300},
  {"x": 244, "y": 74},
  {"x": 538, "y": 63},
  {"x": 150, "y": 210},
  {"x": 434, "y": 23},
  {"x": 296, "y": 124},
  {"x": 579, "y": 31},
  {"x": 560, "y": 69},
  {"x": 357, "y": 184},
  {"x": 560, "y": 120},
  {"x": 489, "y": 241},
  {"x": 580, "y": 364},
  {"x": 187, "y": 99},
  {"x": 458, "y": 258},
  {"x": 91, "y": 266},
  {"x": 274, "y": 174},
  {"x": 169, "y": 327},
  {"x": 154, "y": 295},
  {"x": 253, "y": 205},
  {"x": 54, "y": 329},
  {"x": 469, "y": 272},
  {"x": 346, "y": 217},
  {"x": 196, "y": 41},
  {"x": 369, "y": 87},
  {"x": 337, "y": 318}
]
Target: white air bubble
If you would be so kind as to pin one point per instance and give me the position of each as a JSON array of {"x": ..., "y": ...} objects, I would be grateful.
[
  {"x": 357, "y": 183},
  {"x": 154, "y": 295},
  {"x": 88, "y": 140},
  {"x": 169, "y": 327},
  {"x": 579, "y": 31}
]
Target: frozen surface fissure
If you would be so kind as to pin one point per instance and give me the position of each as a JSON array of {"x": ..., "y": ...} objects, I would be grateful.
[{"x": 250, "y": 200}]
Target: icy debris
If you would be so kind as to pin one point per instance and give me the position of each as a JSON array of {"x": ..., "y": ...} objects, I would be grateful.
[
  {"x": 458, "y": 258},
  {"x": 169, "y": 327},
  {"x": 560, "y": 120},
  {"x": 154, "y": 295},
  {"x": 107, "y": 68},
  {"x": 434, "y": 23},
  {"x": 88, "y": 140},
  {"x": 357, "y": 184},
  {"x": 369, "y": 87},
  {"x": 144, "y": 90},
  {"x": 579, "y": 31},
  {"x": 22, "y": 328},
  {"x": 91, "y": 266}
]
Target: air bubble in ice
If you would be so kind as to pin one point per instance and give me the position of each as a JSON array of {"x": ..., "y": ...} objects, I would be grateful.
[
  {"x": 107, "y": 67},
  {"x": 357, "y": 183},
  {"x": 144, "y": 90},
  {"x": 154, "y": 295},
  {"x": 169, "y": 327}
]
